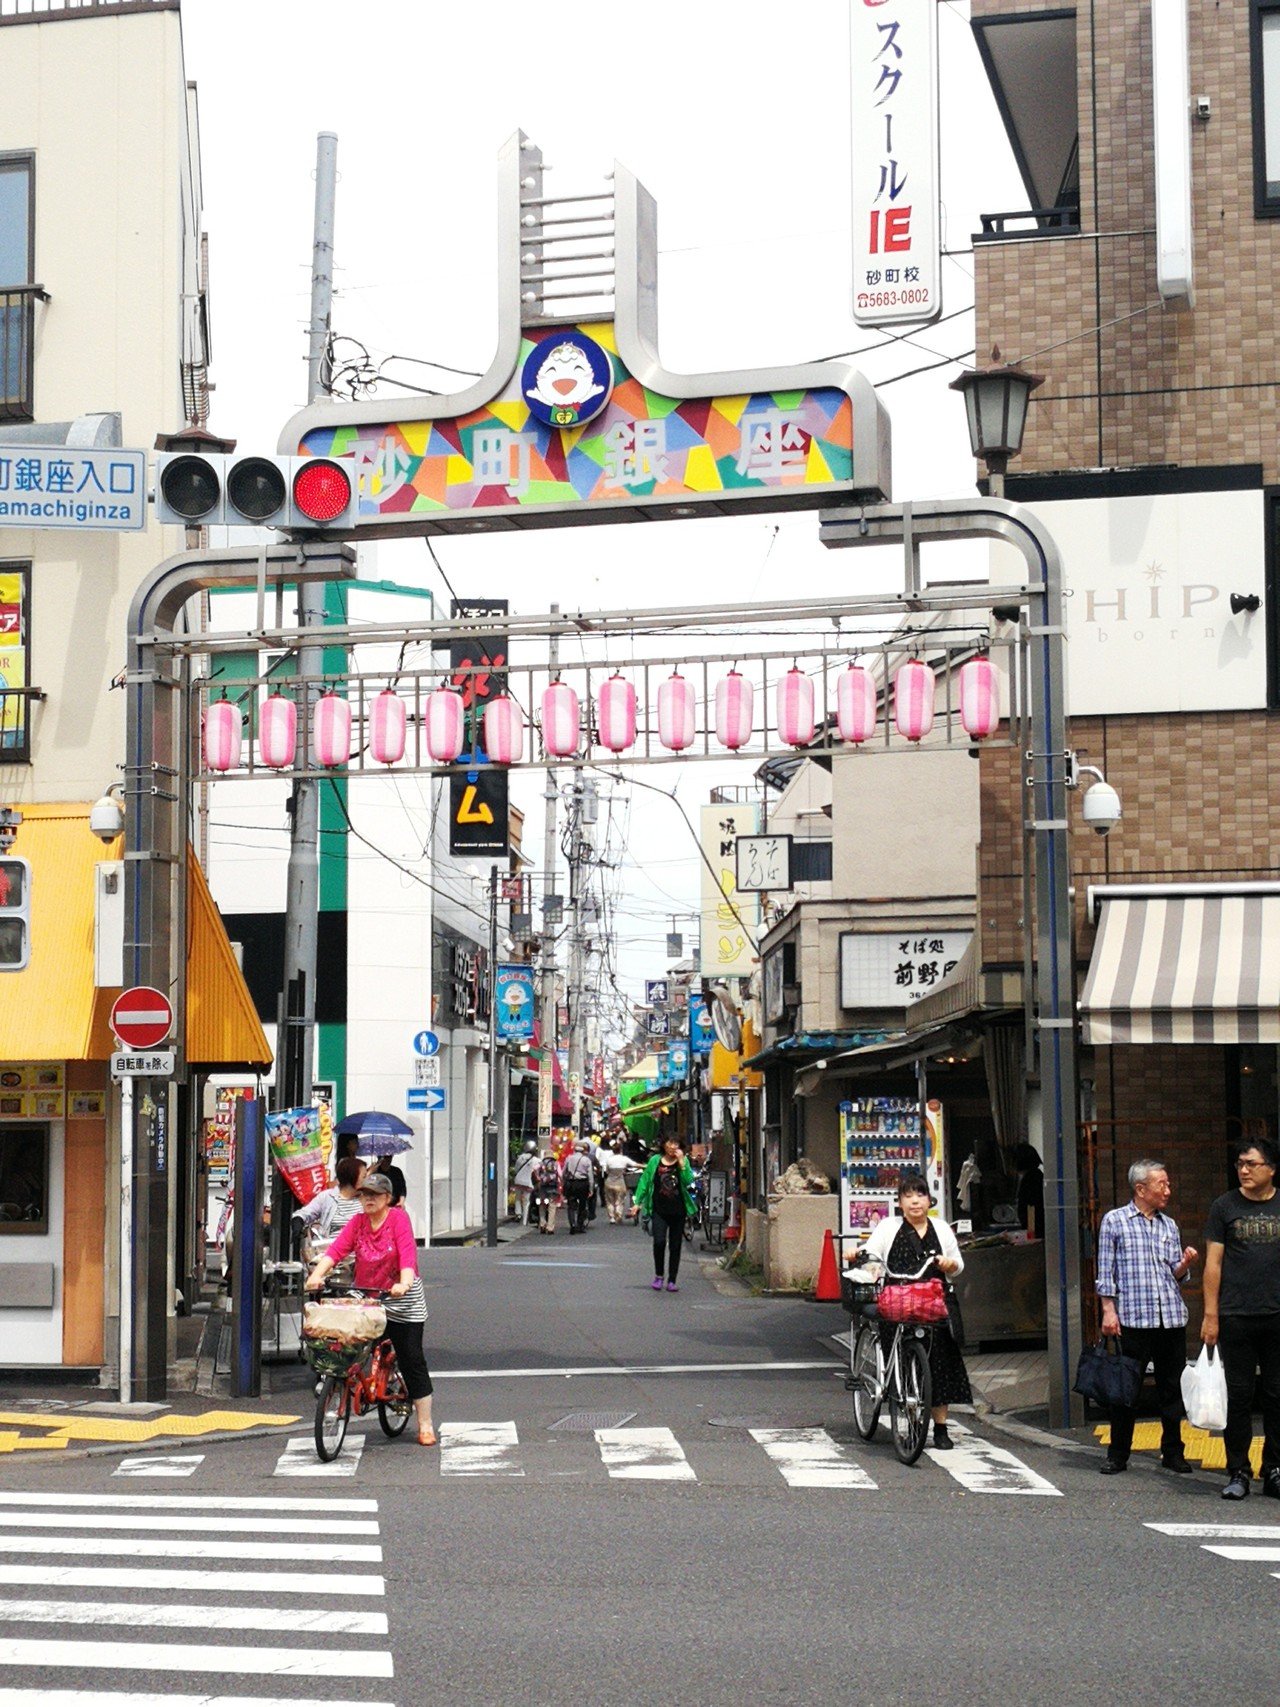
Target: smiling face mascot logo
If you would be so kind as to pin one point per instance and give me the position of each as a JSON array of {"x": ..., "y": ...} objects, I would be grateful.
[{"x": 568, "y": 384}]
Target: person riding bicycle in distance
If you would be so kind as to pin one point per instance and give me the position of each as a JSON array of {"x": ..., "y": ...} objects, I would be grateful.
[
  {"x": 902, "y": 1247},
  {"x": 387, "y": 1261}
]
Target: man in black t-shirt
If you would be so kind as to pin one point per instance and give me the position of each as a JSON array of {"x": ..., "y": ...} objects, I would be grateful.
[{"x": 1242, "y": 1310}]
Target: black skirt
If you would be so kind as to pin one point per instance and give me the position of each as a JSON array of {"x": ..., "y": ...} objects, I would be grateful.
[{"x": 948, "y": 1375}]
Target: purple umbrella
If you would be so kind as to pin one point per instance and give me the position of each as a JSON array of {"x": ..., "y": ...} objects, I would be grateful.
[{"x": 380, "y": 1134}]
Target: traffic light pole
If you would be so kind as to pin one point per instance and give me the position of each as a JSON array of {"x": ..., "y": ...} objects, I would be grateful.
[{"x": 159, "y": 726}]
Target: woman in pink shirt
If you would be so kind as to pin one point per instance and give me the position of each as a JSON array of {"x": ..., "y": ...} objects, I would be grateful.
[{"x": 387, "y": 1261}]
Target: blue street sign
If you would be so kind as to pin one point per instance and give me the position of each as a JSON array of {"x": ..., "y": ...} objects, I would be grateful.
[
  {"x": 430, "y": 1098},
  {"x": 426, "y": 1043},
  {"x": 701, "y": 1031}
]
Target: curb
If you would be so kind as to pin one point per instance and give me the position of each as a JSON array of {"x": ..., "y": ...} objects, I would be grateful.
[{"x": 130, "y": 1448}]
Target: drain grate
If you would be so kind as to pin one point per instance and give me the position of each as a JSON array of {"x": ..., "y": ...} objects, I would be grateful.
[{"x": 586, "y": 1422}]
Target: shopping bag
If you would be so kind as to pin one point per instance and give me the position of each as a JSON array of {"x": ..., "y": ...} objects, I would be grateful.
[
  {"x": 1107, "y": 1377},
  {"x": 916, "y": 1302},
  {"x": 1204, "y": 1390}
]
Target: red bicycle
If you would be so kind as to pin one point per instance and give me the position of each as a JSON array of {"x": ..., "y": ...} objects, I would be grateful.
[{"x": 352, "y": 1379}]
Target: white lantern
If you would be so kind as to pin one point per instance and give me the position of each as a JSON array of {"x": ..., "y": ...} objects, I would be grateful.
[
  {"x": 503, "y": 731},
  {"x": 278, "y": 731},
  {"x": 561, "y": 720},
  {"x": 856, "y": 705},
  {"x": 913, "y": 689},
  {"x": 979, "y": 698},
  {"x": 616, "y": 714},
  {"x": 387, "y": 728},
  {"x": 331, "y": 730},
  {"x": 442, "y": 715},
  {"x": 734, "y": 711},
  {"x": 675, "y": 713},
  {"x": 223, "y": 734},
  {"x": 795, "y": 709}
]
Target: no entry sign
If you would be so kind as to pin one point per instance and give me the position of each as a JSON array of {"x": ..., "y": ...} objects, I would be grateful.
[{"x": 142, "y": 1017}]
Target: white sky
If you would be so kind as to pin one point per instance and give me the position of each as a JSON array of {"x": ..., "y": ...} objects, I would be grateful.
[{"x": 736, "y": 118}]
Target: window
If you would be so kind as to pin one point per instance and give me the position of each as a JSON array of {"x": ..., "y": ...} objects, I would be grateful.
[
  {"x": 1030, "y": 61},
  {"x": 1264, "y": 45},
  {"x": 810, "y": 862},
  {"x": 24, "y": 1178},
  {"x": 17, "y": 298},
  {"x": 15, "y": 662}
]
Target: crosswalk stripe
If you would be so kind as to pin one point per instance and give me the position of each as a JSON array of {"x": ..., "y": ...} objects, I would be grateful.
[
  {"x": 299, "y": 1458},
  {"x": 322, "y": 1620},
  {"x": 982, "y": 1467},
  {"x": 1219, "y": 1531},
  {"x": 179, "y": 1657},
  {"x": 479, "y": 1449},
  {"x": 157, "y": 1525},
  {"x": 46, "y": 1697},
  {"x": 144, "y": 1547},
  {"x": 153, "y": 1465},
  {"x": 1262, "y": 1555},
  {"x": 183, "y": 1502},
  {"x": 809, "y": 1458},
  {"x": 644, "y": 1455},
  {"x": 346, "y": 1585}
]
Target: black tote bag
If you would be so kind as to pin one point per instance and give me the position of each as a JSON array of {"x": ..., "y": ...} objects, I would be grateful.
[{"x": 1106, "y": 1377}]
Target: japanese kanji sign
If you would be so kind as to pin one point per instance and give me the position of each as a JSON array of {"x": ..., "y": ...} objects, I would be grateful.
[
  {"x": 882, "y": 969},
  {"x": 478, "y": 809},
  {"x": 897, "y": 258},
  {"x": 729, "y": 919},
  {"x": 53, "y": 486}
]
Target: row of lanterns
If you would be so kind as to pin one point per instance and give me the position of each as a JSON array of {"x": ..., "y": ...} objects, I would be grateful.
[{"x": 857, "y": 717}]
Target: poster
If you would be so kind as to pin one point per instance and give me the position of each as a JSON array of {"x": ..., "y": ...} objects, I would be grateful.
[
  {"x": 515, "y": 998},
  {"x": 294, "y": 1137},
  {"x": 730, "y": 921}
]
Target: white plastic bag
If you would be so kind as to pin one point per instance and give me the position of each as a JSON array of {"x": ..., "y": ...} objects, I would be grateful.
[{"x": 1204, "y": 1390}]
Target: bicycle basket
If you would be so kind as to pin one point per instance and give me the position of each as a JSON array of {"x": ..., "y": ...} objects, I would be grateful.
[
  {"x": 916, "y": 1302},
  {"x": 327, "y": 1357},
  {"x": 348, "y": 1324},
  {"x": 856, "y": 1292}
]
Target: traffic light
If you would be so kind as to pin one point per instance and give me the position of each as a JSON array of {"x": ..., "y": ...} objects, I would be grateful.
[
  {"x": 302, "y": 493},
  {"x": 15, "y": 913}
]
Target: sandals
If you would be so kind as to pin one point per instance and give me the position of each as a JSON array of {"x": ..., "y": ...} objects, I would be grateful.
[{"x": 426, "y": 1437}]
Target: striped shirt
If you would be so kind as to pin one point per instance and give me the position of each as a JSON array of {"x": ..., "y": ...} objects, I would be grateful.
[{"x": 1137, "y": 1255}]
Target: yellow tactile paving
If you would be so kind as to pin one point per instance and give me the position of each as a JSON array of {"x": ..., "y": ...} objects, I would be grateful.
[
  {"x": 1206, "y": 1448},
  {"x": 61, "y": 1429}
]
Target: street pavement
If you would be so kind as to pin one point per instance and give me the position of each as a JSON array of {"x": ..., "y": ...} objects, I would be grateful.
[{"x": 693, "y": 1519}]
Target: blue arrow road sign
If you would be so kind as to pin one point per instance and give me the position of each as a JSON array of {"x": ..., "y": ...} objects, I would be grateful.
[
  {"x": 430, "y": 1098},
  {"x": 426, "y": 1043}
]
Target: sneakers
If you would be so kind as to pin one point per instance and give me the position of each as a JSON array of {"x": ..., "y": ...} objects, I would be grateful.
[
  {"x": 1238, "y": 1487},
  {"x": 942, "y": 1441},
  {"x": 1271, "y": 1484},
  {"x": 657, "y": 1283},
  {"x": 672, "y": 1287}
]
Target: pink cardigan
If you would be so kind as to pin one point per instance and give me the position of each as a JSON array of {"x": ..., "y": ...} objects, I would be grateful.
[{"x": 380, "y": 1256}]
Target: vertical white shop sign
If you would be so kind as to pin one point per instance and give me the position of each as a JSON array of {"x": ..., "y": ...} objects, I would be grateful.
[
  {"x": 897, "y": 256},
  {"x": 730, "y": 920}
]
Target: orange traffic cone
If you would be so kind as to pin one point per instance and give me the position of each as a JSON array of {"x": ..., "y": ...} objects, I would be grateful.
[{"x": 827, "y": 1286}]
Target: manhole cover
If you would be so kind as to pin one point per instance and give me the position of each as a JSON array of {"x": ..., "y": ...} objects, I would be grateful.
[
  {"x": 740, "y": 1422},
  {"x": 586, "y": 1422}
]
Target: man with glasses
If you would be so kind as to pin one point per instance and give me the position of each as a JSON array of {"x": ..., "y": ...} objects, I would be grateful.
[{"x": 1242, "y": 1310}]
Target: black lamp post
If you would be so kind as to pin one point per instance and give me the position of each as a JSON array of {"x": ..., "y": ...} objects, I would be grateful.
[{"x": 995, "y": 401}]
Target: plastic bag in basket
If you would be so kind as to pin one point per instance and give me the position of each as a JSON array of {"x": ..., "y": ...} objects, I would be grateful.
[{"x": 344, "y": 1321}]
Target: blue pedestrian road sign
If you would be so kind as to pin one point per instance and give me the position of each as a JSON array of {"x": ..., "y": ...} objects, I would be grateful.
[
  {"x": 432, "y": 1099},
  {"x": 426, "y": 1043}
]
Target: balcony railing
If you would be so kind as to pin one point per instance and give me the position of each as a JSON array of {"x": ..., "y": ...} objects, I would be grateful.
[
  {"x": 56, "y": 11},
  {"x": 1028, "y": 222},
  {"x": 17, "y": 330}
]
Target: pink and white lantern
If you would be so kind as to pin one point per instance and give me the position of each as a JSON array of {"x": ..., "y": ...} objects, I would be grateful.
[
  {"x": 387, "y": 728},
  {"x": 795, "y": 709},
  {"x": 331, "y": 730},
  {"x": 223, "y": 735},
  {"x": 616, "y": 714},
  {"x": 857, "y": 705},
  {"x": 675, "y": 713},
  {"x": 913, "y": 689},
  {"x": 735, "y": 701},
  {"x": 277, "y": 731},
  {"x": 442, "y": 716},
  {"x": 979, "y": 698},
  {"x": 561, "y": 720},
  {"x": 503, "y": 731}
]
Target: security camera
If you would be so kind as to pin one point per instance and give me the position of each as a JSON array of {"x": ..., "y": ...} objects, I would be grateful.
[
  {"x": 106, "y": 818},
  {"x": 1204, "y": 107},
  {"x": 1102, "y": 809}
]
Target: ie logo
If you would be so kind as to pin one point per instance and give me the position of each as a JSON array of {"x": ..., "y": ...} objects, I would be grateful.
[{"x": 566, "y": 381}]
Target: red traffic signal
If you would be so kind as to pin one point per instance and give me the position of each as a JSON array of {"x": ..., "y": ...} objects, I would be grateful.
[{"x": 293, "y": 493}]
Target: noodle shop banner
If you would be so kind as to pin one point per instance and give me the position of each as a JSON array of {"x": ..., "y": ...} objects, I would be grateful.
[{"x": 297, "y": 1150}]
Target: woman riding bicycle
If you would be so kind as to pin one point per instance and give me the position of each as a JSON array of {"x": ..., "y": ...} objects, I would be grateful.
[
  {"x": 902, "y": 1246},
  {"x": 387, "y": 1260}
]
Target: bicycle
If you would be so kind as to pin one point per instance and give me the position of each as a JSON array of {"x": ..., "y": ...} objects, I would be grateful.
[
  {"x": 353, "y": 1381},
  {"x": 899, "y": 1374}
]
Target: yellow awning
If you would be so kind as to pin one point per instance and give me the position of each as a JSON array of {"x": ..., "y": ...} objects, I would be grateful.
[{"x": 51, "y": 1011}]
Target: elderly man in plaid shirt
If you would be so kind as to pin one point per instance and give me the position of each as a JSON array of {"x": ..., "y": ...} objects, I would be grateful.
[{"x": 1141, "y": 1265}]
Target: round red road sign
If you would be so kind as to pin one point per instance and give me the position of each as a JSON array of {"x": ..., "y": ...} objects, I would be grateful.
[{"x": 142, "y": 1017}]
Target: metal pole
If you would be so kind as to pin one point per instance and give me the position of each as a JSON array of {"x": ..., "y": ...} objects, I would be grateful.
[
  {"x": 547, "y": 1002},
  {"x": 126, "y": 1241},
  {"x": 491, "y": 1095},
  {"x": 246, "y": 1260},
  {"x": 577, "y": 979}
]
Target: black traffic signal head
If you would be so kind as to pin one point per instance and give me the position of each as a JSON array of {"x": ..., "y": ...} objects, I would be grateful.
[
  {"x": 302, "y": 494},
  {"x": 15, "y": 913}
]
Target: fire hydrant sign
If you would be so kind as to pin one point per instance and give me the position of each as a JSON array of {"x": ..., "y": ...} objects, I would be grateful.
[
  {"x": 142, "y": 1017},
  {"x": 897, "y": 260}
]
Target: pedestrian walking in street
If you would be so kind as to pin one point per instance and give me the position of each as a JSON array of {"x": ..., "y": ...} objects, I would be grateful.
[
  {"x": 1242, "y": 1310},
  {"x": 387, "y": 1261},
  {"x": 579, "y": 1184},
  {"x": 902, "y": 1245},
  {"x": 665, "y": 1193},
  {"x": 1142, "y": 1264},
  {"x": 1030, "y": 1169},
  {"x": 522, "y": 1181},
  {"x": 330, "y": 1210},
  {"x": 615, "y": 1166},
  {"x": 546, "y": 1191},
  {"x": 387, "y": 1168}
]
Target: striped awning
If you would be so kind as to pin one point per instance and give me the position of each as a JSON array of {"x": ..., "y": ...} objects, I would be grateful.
[{"x": 1185, "y": 969}]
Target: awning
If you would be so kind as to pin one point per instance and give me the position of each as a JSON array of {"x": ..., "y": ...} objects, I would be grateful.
[
  {"x": 901, "y": 1050},
  {"x": 1191, "y": 968},
  {"x": 51, "y": 1010}
]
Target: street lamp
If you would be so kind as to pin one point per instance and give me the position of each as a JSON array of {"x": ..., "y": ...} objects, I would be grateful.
[{"x": 995, "y": 401}]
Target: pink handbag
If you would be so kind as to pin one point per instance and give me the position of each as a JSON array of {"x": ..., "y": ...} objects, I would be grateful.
[{"x": 916, "y": 1302}]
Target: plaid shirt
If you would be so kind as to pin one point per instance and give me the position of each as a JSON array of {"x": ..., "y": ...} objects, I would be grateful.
[{"x": 1137, "y": 1255}]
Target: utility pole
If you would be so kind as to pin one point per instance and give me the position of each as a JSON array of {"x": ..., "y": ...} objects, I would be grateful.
[
  {"x": 581, "y": 851},
  {"x": 547, "y": 1004},
  {"x": 295, "y": 1048},
  {"x": 491, "y": 1101}
]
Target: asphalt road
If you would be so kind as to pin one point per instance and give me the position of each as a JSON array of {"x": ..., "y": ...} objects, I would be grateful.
[{"x": 525, "y": 1561}]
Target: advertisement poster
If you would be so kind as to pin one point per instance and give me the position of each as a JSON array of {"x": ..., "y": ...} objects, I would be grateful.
[
  {"x": 294, "y": 1137},
  {"x": 515, "y": 1003},
  {"x": 730, "y": 921}
]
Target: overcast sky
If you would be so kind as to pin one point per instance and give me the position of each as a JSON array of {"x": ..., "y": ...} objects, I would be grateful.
[{"x": 736, "y": 118}]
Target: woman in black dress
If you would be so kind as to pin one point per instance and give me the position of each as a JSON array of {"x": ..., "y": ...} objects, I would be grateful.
[{"x": 903, "y": 1246}]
